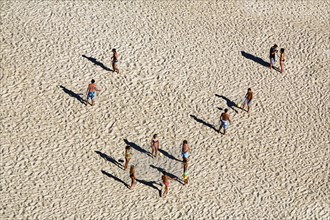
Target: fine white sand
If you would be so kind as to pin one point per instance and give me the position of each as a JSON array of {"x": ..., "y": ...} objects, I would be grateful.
[{"x": 62, "y": 160}]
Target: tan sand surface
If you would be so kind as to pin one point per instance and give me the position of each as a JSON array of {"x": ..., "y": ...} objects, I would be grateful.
[{"x": 180, "y": 61}]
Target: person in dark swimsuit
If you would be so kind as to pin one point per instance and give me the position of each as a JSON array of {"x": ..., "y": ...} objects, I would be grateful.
[
  {"x": 115, "y": 60},
  {"x": 154, "y": 145},
  {"x": 272, "y": 52},
  {"x": 282, "y": 59}
]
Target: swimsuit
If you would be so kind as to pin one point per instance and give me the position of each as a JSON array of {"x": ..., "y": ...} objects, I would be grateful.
[
  {"x": 185, "y": 155},
  {"x": 129, "y": 155},
  {"x": 249, "y": 103},
  {"x": 91, "y": 95},
  {"x": 225, "y": 124},
  {"x": 167, "y": 184}
]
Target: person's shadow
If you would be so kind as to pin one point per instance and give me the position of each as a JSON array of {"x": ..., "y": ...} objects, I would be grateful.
[
  {"x": 255, "y": 59},
  {"x": 73, "y": 94},
  {"x": 115, "y": 178},
  {"x": 169, "y": 156},
  {"x": 110, "y": 159},
  {"x": 151, "y": 184},
  {"x": 137, "y": 147},
  {"x": 230, "y": 103},
  {"x": 98, "y": 63},
  {"x": 161, "y": 170},
  {"x": 203, "y": 122}
]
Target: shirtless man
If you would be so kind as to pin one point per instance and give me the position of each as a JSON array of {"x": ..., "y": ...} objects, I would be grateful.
[
  {"x": 272, "y": 52},
  {"x": 91, "y": 92},
  {"x": 248, "y": 99},
  {"x": 114, "y": 59},
  {"x": 224, "y": 121}
]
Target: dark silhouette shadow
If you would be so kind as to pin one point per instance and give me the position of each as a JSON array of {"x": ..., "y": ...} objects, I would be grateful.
[
  {"x": 114, "y": 177},
  {"x": 255, "y": 59},
  {"x": 204, "y": 122},
  {"x": 230, "y": 103},
  {"x": 110, "y": 159},
  {"x": 166, "y": 154},
  {"x": 161, "y": 170},
  {"x": 73, "y": 94},
  {"x": 151, "y": 184},
  {"x": 137, "y": 147},
  {"x": 98, "y": 63}
]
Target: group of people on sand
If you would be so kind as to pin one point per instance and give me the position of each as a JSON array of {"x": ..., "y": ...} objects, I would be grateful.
[
  {"x": 225, "y": 117},
  {"x": 273, "y": 51},
  {"x": 154, "y": 148}
]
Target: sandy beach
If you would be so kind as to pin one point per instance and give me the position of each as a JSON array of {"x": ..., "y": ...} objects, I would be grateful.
[{"x": 182, "y": 63}]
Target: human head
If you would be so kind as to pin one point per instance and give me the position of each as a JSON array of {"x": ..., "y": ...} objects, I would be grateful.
[
  {"x": 249, "y": 89},
  {"x": 275, "y": 45},
  {"x": 185, "y": 142},
  {"x": 155, "y": 135},
  {"x": 128, "y": 147},
  {"x": 282, "y": 50},
  {"x": 114, "y": 50},
  {"x": 93, "y": 81},
  {"x": 226, "y": 110}
]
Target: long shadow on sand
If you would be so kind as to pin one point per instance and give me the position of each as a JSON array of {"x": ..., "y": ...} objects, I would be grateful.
[
  {"x": 204, "y": 122},
  {"x": 73, "y": 94},
  {"x": 97, "y": 63},
  {"x": 161, "y": 170},
  {"x": 110, "y": 159},
  {"x": 151, "y": 184},
  {"x": 169, "y": 156},
  {"x": 255, "y": 59},
  {"x": 137, "y": 147},
  {"x": 115, "y": 178},
  {"x": 229, "y": 102}
]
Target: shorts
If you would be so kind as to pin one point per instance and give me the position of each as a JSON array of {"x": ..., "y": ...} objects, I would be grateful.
[
  {"x": 224, "y": 124},
  {"x": 272, "y": 60},
  {"x": 249, "y": 103},
  {"x": 91, "y": 95},
  {"x": 167, "y": 184},
  {"x": 185, "y": 155}
]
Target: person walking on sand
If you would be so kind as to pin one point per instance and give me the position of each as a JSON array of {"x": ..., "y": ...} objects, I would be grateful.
[
  {"x": 154, "y": 145},
  {"x": 248, "y": 99},
  {"x": 272, "y": 52},
  {"x": 224, "y": 121},
  {"x": 114, "y": 59},
  {"x": 91, "y": 92},
  {"x": 282, "y": 59},
  {"x": 166, "y": 182},
  {"x": 132, "y": 176},
  {"x": 128, "y": 156}
]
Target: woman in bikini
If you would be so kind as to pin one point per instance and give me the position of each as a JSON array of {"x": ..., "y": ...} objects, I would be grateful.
[
  {"x": 115, "y": 60},
  {"x": 282, "y": 59},
  {"x": 166, "y": 182},
  {"x": 132, "y": 176},
  {"x": 128, "y": 156},
  {"x": 154, "y": 145}
]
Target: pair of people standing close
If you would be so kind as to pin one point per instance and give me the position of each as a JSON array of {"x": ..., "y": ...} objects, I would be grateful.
[
  {"x": 225, "y": 117},
  {"x": 92, "y": 89},
  {"x": 273, "y": 51}
]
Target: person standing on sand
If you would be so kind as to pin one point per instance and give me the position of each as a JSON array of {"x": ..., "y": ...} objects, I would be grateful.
[
  {"x": 114, "y": 59},
  {"x": 282, "y": 59},
  {"x": 132, "y": 176},
  {"x": 166, "y": 182},
  {"x": 91, "y": 92},
  {"x": 154, "y": 145},
  {"x": 128, "y": 156},
  {"x": 248, "y": 99},
  {"x": 224, "y": 121},
  {"x": 272, "y": 52}
]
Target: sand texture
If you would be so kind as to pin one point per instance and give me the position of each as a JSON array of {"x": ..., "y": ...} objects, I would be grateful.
[{"x": 182, "y": 62}]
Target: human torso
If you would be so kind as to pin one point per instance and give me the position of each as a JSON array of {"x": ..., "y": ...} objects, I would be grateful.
[
  {"x": 249, "y": 96},
  {"x": 225, "y": 116},
  {"x": 155, "y": 142},
  {"x": 92, "y": 88},
  {"x": 282, "y": 57}
]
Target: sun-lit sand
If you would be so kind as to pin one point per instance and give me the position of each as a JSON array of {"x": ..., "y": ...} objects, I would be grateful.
[{"x": 182, "y": 62}]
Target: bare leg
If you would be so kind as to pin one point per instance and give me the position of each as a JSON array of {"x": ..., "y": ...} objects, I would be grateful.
[
  {"x": 93, "y": 102},
  {"x": 165, "y": 191},
  {"x": 282, "y": 67}
]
